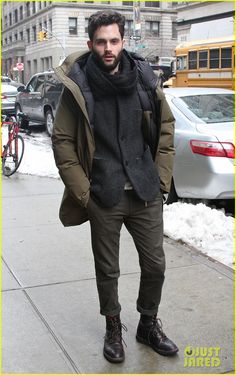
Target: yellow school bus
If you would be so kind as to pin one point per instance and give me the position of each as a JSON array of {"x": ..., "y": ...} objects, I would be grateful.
[{"x": 205, "y": 63}]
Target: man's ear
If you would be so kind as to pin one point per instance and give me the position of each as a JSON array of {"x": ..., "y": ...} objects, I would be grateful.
[{"x": 89, "y": 44}]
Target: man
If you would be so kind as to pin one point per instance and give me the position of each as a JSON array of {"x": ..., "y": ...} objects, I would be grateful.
[
  {"x": 115, "y": 160},
  {"x": 159, "y": 72}
]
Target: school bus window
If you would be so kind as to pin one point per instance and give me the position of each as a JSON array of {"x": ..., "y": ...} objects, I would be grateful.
[
  {"x": 192, "y": 60},
  {"x": 181, "y": 63},
  {"x": 203, "y": 59},
  {"x": 214, "y": 58},
  {"x": 226, "y": 57}
]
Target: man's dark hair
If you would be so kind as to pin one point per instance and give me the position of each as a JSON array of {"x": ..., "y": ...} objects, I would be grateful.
[{"x": 105, "y": 18}]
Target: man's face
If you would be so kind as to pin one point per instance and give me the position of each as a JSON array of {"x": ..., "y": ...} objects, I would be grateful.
[{"x": 107, "y": 46}]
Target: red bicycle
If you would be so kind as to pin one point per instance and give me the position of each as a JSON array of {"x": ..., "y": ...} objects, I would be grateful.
[{"x": 13, "y": 150}]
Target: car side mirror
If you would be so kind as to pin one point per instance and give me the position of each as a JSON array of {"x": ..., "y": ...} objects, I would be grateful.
[{"x": 21, "y": 88}]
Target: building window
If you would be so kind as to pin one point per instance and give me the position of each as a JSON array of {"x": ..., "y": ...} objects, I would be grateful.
[
  {"x": 152, "y": 4},
  {"x": 29, "y": 67},
  {"x": 10, "y": 19},
  {"x": 152, "y": 28},
  {"x": 5, "y": 41},
  {"x": 50, "y": 24},
  {"x": 21, "y": 12},
  {"x": 16, "y": 15},
  {"x": 40, "y": 5},
  {"x": 128, "y": 3},
  {"x": 5, "y": 18},
  {"x": 16, "y": 37},
  {"x": 28, "y": 35},
  {"x": 21, "y": 35},
  {"x": 27, "y": 5},
  {"x": 34, "y": 34},
  {"x": 72, "y": 26},
  {"x": 35, "y": 66},
  {"x": 45, "y": 25},
  {"x": 34, "y": 6},
  {"x": 45, "y": 4},
  {"x": 174, "y": 30},
  {"x": 10, "y": 39},
  {"x": 86, "y": 25},
  {"x": 129, "y": 26}
]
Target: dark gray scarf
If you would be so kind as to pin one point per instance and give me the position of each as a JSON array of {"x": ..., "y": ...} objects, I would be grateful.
[{"x": 104, "y": 84}]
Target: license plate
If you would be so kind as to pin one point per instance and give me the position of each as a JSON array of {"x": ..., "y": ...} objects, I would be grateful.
[{"x": 11, "y": 100}]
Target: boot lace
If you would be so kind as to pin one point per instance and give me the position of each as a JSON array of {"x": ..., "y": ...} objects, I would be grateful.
[
  {"x": 115, "y": 333},
  {"x": 157, "y": 330}
]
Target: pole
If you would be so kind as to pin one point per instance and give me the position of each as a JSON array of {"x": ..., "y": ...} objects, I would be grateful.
[
  {"x": 137, "y": 23},
  {"x": 63, "y": 46}
]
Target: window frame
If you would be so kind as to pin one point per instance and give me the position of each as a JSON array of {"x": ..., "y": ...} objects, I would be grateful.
[{"x": 73, "y": 30}]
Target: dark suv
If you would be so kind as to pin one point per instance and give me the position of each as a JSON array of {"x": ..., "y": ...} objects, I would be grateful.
[{"x": 39, "y": 99}]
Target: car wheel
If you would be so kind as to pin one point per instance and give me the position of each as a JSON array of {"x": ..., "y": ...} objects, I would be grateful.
[
  {"x": 49, "y": 121},
  {"x": 172, "y": 196},
  {"x": 18, "y": 109},
  {"x": 24, "y": 124}
]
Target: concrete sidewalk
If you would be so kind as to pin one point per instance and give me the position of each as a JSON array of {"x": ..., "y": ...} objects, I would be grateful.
[{"x": 51, "y": 322}]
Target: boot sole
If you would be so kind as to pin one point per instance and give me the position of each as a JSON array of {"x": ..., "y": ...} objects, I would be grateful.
[
  {"x": 113, "y": 360},
  {"x": 162, "y": 352}
]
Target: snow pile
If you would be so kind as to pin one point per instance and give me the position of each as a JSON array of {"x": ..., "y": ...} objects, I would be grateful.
[
  {"x": 202, "y": 227},
  {"x": 38, "y": 157}
]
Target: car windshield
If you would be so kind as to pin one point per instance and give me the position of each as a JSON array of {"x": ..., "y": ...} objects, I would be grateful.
[{"x": 211, "y": 108}]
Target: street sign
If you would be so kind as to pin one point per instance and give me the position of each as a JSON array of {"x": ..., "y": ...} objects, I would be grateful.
[
  {"x": 135, "y": 37},
  {"x": 20, "y": 66}
]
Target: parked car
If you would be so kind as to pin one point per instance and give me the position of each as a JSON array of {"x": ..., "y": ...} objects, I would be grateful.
[
  {"x": 204, "y": 142},
  {"x": 8, "y": 98},
  {"x": 39, "y": 99},
  {"x": 9, "y": 81}
]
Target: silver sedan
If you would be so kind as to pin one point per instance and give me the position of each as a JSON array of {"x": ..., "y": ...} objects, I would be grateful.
[
  {"x": 204, "y": 142},
  {"x": 8, "y": 98}
]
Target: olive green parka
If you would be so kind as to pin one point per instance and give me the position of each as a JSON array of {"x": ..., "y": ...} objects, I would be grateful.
[{"x": 74, "y": 146}]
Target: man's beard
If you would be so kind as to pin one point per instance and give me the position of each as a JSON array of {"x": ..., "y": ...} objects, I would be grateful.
[{"x": 106, "y": 67}]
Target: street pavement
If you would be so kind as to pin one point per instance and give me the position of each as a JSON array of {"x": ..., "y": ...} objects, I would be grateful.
[{"x": 51, "y": 322}]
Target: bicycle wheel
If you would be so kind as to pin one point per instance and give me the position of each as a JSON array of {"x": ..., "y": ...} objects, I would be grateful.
[{"x": 12, "y": 156}]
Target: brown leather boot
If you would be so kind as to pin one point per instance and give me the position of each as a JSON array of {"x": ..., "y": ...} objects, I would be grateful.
[
  {"x": 150, "y": 333},
  {"x": 113, "y": 348}
]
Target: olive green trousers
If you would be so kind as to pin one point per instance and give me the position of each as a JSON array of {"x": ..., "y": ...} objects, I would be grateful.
[{"x": 144, "y": 221}]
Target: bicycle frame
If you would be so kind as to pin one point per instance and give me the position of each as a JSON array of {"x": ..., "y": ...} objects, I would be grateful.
[
  {"x": 13, "y": 130},
  {"x": 12, "y": 152}
]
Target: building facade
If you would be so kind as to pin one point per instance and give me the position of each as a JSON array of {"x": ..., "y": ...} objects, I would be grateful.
[
  {"x": 204, "y": 20},
  {"x": 66, "y": 23}
]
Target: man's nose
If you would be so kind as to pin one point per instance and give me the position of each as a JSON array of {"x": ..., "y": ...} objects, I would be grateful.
[{"x": 108, "y": 46}]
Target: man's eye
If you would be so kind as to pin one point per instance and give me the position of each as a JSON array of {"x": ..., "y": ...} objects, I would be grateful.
[{"x": 100, "y": 42}]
